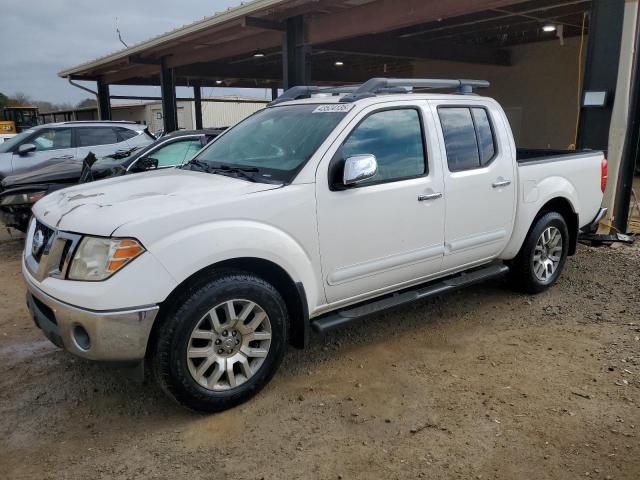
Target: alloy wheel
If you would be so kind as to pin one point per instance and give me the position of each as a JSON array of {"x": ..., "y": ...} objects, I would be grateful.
[
  {"x": 547, "y": 254},
  {"x": 228, "y": 345}
]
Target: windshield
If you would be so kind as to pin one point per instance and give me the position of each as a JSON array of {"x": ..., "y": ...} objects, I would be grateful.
[
  {"x": 273, "y": 144},
  {"x": 9, "y": 144}
]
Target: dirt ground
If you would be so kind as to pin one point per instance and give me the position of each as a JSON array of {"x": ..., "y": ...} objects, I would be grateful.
[{"x": 481, "y": 384}]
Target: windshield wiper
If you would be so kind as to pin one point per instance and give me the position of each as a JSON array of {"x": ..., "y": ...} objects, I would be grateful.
[
  {"x": 241, "y": 172},
  {"x": 224, "y": 169},
  {"x": 120, "y": 154},
  {"x": 204, "y": 166}
]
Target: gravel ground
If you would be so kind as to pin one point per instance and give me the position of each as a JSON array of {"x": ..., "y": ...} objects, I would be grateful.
[{"x": 481, "y": 384}]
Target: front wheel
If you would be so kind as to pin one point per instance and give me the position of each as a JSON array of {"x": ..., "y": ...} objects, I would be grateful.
[
  {"x": 543, "y": 254},
  {"x": 222, "y": 344}
]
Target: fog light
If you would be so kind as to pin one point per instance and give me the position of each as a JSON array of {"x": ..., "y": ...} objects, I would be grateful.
[{"x": 81, "y": 337}]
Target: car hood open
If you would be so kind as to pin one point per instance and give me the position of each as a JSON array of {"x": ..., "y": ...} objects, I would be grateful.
[{"x": 99, "y": 208}]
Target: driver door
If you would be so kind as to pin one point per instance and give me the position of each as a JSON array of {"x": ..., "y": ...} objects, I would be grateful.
[
  {"x": 53, "y": 144},
  {"x": 388, "y": 230}
]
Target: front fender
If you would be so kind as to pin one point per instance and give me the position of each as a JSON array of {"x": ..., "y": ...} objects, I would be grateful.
[
  {"x": 532, "y": 199},
  {"x": 190, "y": 250}
]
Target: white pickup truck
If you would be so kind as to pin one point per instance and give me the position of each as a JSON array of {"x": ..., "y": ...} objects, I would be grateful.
[{"x": 325, "y": 207}]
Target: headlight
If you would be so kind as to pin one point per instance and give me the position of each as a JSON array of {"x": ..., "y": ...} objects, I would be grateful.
[
  {"x": 22, "y": 198},
  {"x": 98, "y": 258}
]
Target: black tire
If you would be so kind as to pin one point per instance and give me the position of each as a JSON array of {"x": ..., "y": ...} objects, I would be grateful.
[
  {"x": 522, "y": 267},
  {"x": 168, "y": 355}
]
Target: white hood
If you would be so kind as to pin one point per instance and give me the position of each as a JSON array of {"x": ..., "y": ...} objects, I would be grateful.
[{"x": 99, "y": 208}]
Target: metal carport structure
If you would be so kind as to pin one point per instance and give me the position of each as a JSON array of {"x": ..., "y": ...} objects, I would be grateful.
[{"x": 282, "y": 43}]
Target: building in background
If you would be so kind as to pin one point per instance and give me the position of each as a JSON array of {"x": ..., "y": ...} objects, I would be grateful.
[{"x": 223, "y": 111}]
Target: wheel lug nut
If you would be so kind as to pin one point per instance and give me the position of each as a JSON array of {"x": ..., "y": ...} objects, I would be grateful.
[
  {"x": 220, "y": 351},
  {"x": 218, "y": 341},
  {"x": 225, "y": 333},
  {"x": 237, "y": 341},
  {"x": 234, "y": 333}
]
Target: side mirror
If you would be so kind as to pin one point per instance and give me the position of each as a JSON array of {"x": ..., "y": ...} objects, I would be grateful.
[
  {"x": 146, "y": 163},
  {"x": 359, "y": 168},
  {"x": 26, "y": 148}
]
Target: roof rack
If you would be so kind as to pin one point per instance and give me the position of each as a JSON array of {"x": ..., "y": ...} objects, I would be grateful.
[
  {"x": 376, "y": 86},
  {"x": 127, "y": 122}
]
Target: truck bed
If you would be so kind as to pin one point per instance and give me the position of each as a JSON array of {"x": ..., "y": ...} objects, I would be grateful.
[{"x": 531, "y": 155}]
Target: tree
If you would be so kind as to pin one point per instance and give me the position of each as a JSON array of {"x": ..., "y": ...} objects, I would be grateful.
[
  {"x": 19, "y": 100},
  {"x": 4, "y": 101},
  {"x": 87, "y": 102}
]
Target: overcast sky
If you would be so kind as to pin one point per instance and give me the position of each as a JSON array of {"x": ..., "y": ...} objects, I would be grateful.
[{"x": 39, "y": 38}]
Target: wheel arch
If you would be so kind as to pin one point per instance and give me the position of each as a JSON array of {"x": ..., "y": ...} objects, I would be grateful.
[
  {"x": 528, "y": 214},
  {"x": 564, "y": 207},
  {"x": 293, "y": 294}
]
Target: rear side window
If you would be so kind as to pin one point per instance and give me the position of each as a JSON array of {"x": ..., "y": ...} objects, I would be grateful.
[
  {"x": 484, "y": 132},
  {"x": 90, "y": 136},
  {"x": 468, "y": 137},
  {"x": 125, "y": 133},
  {"x": 395, "y": 138}
]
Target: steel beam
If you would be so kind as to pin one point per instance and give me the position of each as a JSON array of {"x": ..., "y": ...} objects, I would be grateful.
[
  {"x": 104, "y": 103},
  {"x": 197, "y": 104},
  {"x": 601, "y": 71},
  {"x": 631, "y": 148},
  {"x": 168, "y": 92},
  {"x": 263, "y": 24},
  {"x": 296, "y": 68},
  {"x": 388, "y": 46}
]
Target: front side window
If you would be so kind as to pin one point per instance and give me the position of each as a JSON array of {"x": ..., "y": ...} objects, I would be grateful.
[
  {"x": 395, "y": 138},
  {"x": 14, "y": 142},
  {"x": 52, "y": 139},
  {"x": 91, "y": 136},
  {"x": 176, "y": 153},
  {"x": 274, "y": 143},
  {"x": 468, "y": 137}
]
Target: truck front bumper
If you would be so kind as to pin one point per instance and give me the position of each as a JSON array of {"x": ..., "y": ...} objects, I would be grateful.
[{"x": 111, "y": 335}]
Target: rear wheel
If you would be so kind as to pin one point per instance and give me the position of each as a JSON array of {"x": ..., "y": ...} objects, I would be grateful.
[
  {"x": 543, "y": 254},
  {"x": 223, "y": 344}
]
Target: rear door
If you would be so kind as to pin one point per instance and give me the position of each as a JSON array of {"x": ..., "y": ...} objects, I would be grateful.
[
  {"x": 480, "y": 193},
  {"x": 100, "y": 141},
  {"x": 387, "y": 230}
]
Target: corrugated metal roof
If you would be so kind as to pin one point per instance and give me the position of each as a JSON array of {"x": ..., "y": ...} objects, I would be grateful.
[{"x": 228, "y": 15}]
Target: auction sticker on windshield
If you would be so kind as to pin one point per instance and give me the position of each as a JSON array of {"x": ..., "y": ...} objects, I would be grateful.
[{"x": 334, "y": 108}]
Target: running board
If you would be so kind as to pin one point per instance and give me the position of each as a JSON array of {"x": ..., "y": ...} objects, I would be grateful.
[{"x": 348, "y": 315}]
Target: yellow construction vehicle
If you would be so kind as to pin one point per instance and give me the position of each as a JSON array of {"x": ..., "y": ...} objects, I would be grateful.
[
  {"x": 16, "y": 119},
  {"x": 7, "y": 128}
]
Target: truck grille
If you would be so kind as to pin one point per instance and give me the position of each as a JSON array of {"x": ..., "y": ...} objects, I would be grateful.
[
  {"x": 48, "y": 251},
  {"x": 42, "y": 236}
]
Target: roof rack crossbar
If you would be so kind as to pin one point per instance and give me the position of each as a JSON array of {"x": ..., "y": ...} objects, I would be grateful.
[
  {"x": 296, "y": 93},
  {"x": 382, "y": 85}
]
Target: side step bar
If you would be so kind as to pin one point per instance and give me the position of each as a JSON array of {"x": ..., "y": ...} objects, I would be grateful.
[{"x": 348, "y": 315}]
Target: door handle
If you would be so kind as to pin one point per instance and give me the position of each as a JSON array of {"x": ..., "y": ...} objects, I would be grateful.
[
  {"x": 430, "y": 196},
  {"x": 502, "y": 183}
]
